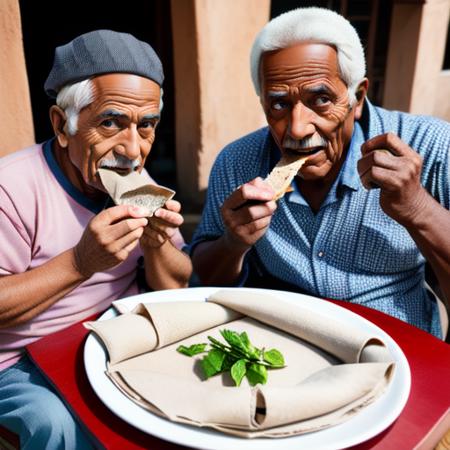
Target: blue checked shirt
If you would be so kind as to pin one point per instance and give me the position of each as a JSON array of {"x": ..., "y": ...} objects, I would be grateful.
[{"x": 350, "y": 250}]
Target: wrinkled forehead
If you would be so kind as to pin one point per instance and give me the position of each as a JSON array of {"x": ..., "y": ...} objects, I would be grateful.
[
  {"x": 304, "y": 60},
  {"x": 124, "y": 83}
]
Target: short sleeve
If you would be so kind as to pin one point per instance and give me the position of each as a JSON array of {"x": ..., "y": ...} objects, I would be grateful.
[
  {"x": 431, "y": 139},
  {"x": 239, "y": 162},
  {"x": 15, "y": 244},
  {"x": 211, "y": 225},
  {"x": 443, "y": 173}
]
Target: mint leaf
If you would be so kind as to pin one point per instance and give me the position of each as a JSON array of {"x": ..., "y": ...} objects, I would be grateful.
[
  {"x": 216, "y": 358},
  {"x": 238, "y": 356},
  {"x": 274, "y": 358},
  {"x": 218, "y": 344},
  {"x": 238, "y": 370},
  {"x": 245, "y": 340},
  {"x": 234, "y": 340},
  {"x": 230, "y": 351},
  {"x": 192, "y": 350},
  {"x": 256, "y": 373},
  {"x": 228, "y": 362},
  {"x": 208, "y": 369},
  {"x": 251, "y": 351}
]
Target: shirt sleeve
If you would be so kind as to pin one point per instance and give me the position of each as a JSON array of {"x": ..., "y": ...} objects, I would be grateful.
[
  {"x": 443, "y": 194},
  {"x": 238, "y": 163},
  {"x": 15, "y": 243},
  {"x": 211, "y": 225},
  {"x": 432, "y": 141},
  {"x": 222, "y": 182}
]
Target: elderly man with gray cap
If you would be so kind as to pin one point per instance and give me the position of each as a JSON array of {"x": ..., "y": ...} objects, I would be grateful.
[
  {"x": 369, "y": 204},
  {"x": 66, "y": 251}
]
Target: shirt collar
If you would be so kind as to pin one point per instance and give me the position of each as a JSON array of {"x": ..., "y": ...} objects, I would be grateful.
[
  {"x": 348, "y": 175},
  {"x": 60, "y": 176}
]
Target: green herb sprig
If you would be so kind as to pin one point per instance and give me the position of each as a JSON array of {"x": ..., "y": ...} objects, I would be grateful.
[{"x": 238, "y": 356}]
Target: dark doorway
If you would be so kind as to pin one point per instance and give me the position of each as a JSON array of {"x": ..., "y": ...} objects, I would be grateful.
[{"x": 46, "y": 25}]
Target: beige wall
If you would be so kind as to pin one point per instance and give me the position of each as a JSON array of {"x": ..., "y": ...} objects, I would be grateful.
[
  {"x": 430, "y": 56},
  {"x": 442, "y": 99},
  {"x": 16, "y": 122},
  {"x": 415, "y": 57},
  {"x": 214, "y": 97}
]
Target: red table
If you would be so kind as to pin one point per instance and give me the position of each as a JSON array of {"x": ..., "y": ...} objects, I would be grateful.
[{"x": 60, "y": 357}]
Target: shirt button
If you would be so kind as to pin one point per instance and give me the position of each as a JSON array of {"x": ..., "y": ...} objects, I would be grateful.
[{"x": 320, "y": 254}]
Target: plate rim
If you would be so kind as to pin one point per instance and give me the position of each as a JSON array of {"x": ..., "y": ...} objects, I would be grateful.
[{"x": 222, "y": 440}]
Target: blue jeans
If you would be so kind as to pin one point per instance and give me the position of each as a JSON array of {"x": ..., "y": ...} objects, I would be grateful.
[{"x": 30, "y": 408}]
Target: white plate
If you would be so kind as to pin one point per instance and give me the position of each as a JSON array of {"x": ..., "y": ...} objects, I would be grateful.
[{"x": 368, "y": 423}]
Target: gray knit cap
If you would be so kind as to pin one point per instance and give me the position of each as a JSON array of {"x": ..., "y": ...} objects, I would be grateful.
[{"x": 99, "y": 52}]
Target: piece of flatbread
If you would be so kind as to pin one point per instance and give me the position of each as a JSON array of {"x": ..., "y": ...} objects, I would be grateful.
[
  {"x": 281, "y": 176},
  {"x": 134, "y": 189}
]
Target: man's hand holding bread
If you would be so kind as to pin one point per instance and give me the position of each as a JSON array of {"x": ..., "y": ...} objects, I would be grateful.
[
  {"x": 162, "y": 226},
  {"x": 247, "y": 213}
]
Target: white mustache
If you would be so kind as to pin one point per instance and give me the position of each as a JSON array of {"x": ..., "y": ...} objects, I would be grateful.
[
  {"x": 308, "y": 142},
  {"x": 121, "y": 162}
]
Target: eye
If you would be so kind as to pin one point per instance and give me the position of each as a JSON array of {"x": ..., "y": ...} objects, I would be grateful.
[
  {"x": 147, "y": 124},
  {"x": 279, "y": 105},
  {"x": 322, "y": 100},
  {"x": 109, "y": 123}
]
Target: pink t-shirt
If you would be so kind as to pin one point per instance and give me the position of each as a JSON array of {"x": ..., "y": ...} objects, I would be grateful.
[{"x": 42, "y": 215}]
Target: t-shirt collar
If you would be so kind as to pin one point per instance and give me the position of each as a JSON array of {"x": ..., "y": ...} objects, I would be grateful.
[{"x": 60, "y": 176}]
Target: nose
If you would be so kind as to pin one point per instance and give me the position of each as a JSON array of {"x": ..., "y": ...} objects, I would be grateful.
[
  {"x": 300, "y": 125},
  {"x": 128, "y": 144}
]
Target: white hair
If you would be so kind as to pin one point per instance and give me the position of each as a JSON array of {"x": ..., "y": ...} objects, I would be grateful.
[
  {"x": 72, "y": 98},
  {"x": 313, "y": 25}
]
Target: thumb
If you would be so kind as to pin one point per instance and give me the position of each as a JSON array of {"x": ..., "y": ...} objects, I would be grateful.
[{"x": 138, "y": 211}]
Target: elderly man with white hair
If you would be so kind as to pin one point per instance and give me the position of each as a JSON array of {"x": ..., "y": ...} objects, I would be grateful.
[
  {"x": 65, "y": 251},
  {"x": 365, "y": 212}
]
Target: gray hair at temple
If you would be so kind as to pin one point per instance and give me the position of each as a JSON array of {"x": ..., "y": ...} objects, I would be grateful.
[
  {"x": 74, "y": 97},
  {"x": 313, "y": 25}
]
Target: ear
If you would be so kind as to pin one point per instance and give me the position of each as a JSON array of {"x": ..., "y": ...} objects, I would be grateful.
[
  {"x": 361, "y": 93},
  {"x": 58, "y": 120}
]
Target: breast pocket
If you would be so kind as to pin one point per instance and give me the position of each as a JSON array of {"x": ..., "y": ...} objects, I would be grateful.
[{"x": 384, "y": 246}]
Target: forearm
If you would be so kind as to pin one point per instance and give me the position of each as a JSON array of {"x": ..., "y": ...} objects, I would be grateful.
[
  {"x": 430, "y": 231},
  {"x": 219, "y": 262},
  {"x": 166, "y": 267},
  {"x": 23, "y": 296}
]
